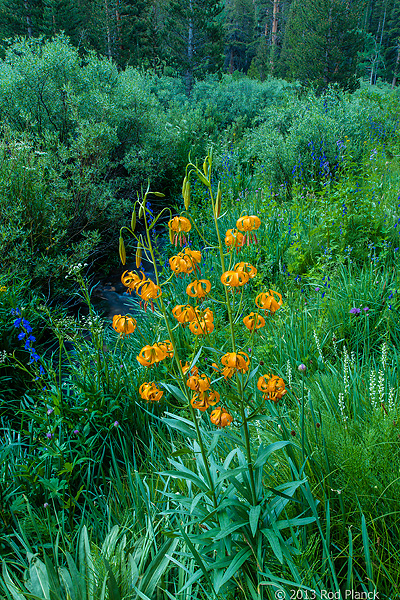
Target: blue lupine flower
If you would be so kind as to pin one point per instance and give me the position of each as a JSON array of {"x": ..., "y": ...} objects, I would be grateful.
[
  {"x": 17, "y": 322},
  {"x": 21, "y": 335}
]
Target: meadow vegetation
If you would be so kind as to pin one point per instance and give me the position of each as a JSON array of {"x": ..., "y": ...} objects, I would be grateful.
[{"x": 236, "y": 434}]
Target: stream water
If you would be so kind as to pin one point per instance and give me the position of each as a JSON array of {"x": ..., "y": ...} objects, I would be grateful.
[{"x": 110, "y": 296}]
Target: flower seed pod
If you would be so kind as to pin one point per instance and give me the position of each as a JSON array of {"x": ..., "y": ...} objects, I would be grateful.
[{"x": 122, "y": 253}]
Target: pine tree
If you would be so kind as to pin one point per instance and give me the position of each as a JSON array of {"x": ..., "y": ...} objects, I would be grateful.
[
  {"x": 21, "y": 17},
  {"x": 192, "y": 35},
  {"x": 321, "y": 42},
  {"x": 392, "y": 43},
  {"x": 239, "y": 35}
]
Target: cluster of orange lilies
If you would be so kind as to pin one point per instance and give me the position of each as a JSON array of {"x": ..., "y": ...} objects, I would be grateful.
[
  {"x": 145, "y": 288},
  {"x": 205, "y": 396},
  {"x": 272, "y": 387},
  {"x": 151, "y": 355},
  {"x": 201, "y": 321},
  {"x": 185, "y": 262}
]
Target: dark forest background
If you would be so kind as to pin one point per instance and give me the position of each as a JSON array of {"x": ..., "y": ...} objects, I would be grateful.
[{"x": 319, "y": 41}]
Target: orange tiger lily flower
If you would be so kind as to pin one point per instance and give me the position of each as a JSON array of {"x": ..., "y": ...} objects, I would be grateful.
[
  {"x": 235, "y": 361},
  {"x": 199, "y": 288},
  {"x": 272, "y": 387},
  {"x": 181, "y": 264},
  {"x": 254, "y": 321},
  {"x": 131, "y": 280},
  {"x": 148, "y": 290},
  {"x": 203, "y": 322},
  {"x": 194, "y": 255},
  {"x": 201, "y": 327},
  {"x": 234, "y": 239},
  {"x": 198, "y": 384},
  {"x": 246, "y": 267},
  {"x": 268, "y": 302},
  {"x": 234, "y": 279},
  {"x": 149, "y": 355},
  {"x": 168, "y": 348},
  {"x": 150, "y": 392},
  {"x": 124, "y": 325},
  {"x": 248, "y": 224},
  {"x": 178, "y": 226},
  {"x": 184, "y": 313},
  {"x": 221, "y": 417},
  {"x": 203, "y": 400},
  {"x": 186, "y": 367}
]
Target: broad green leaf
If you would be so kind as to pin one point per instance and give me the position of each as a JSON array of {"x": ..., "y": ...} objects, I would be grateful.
[
  {"x": 12, "y": 588},
  {"x": 295, "y": 522},
  {"x": 68, "y": 585},
  {"x": 112, "y": 585},
  {"x": 54, "y": 581},
  {"x": 157, "y": 567},
  {"x": 224, "y": 532},
  {"x": 198, "y": 559},
  {"x": 175, "y": 391},
  {"x": 181, "y": 452},
  {"x": 265, "y": 452},
  {"x": 274, "y": 542},
  {"x": 109, "y": 543},
  {"x": 235, "y": 565},
  {"x": 195, "y": 501},
  {"x": 367, "y": 555},
  {"x": 85, "y": 562},
  {"x": 254, "y": 516},
  {"x": 38, "y": 579},
  {"x": 188, "y": 475},
  {"x": 77, "y": 578}
]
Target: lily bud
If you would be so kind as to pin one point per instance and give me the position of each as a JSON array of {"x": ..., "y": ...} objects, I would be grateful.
[
  {"x": 133, "y": 220},
  {"x": 187, "y": 195},
  {"x": 122, "y": 253},
  {"x": 218, "y": 201}
]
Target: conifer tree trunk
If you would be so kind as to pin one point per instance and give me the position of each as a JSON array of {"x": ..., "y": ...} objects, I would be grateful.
[
  {"x": 28, "y": 18},
  {"x": 108, "y": 32},
  {"x": 274, "y": 37},
  {"x": 190, "y": 52},
  {"x": 396, "y": 68}
]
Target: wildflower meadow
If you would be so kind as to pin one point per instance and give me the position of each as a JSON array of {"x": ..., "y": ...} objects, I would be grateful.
[{"x": 233, "y": 432}]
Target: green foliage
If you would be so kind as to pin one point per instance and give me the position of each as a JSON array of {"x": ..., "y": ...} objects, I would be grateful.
[
  {"x": 292, "y": 495},
  {"x": 110, "y": 569},
  {"x": 321, "y": 43}
]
